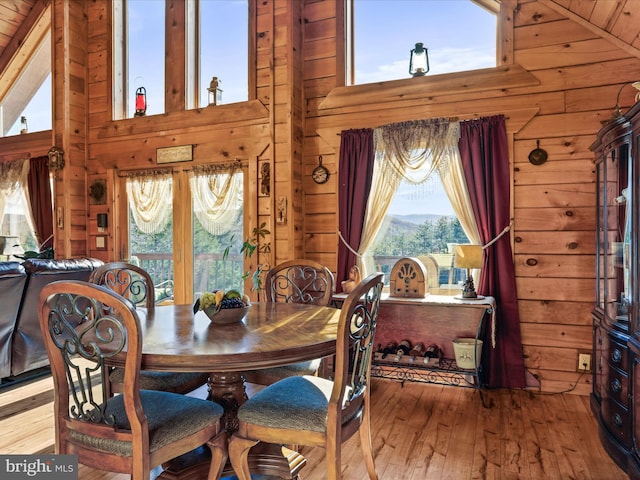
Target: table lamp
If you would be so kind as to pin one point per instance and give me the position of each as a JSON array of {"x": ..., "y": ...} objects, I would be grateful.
[
  {"x": 10, "y": 246},
  {"x": 469, "y": 257}
]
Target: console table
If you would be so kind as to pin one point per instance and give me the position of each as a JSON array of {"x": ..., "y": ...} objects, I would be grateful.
[{"x": 433, "y": 319}]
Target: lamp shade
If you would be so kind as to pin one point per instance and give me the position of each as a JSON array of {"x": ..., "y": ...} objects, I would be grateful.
[
  {"x": 10, "y": 245},
  {"x": 468, "y": 256}
]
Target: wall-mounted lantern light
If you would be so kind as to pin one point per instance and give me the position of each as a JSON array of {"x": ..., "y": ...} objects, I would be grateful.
[
  {"x": 141, "y": 102},
  {"x": 418, "y": 61},
  {"x": 56, "y": 158},
  {"x": 23, "y": 125},
  {"x": 215, "y": 92}
]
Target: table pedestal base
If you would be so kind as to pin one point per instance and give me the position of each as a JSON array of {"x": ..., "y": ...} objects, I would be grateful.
[
  {"x": 264, "y": 459},
  {"x": 228, "y": 390}
]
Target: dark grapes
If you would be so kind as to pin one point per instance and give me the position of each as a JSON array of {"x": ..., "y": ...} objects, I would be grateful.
[{"x": 232, "y": 303}]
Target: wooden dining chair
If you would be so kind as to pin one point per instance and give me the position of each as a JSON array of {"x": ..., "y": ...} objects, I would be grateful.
[
  {"x": 136, "y": 285},
  {"x": 128, "y": 280},
  {"x": 295, "y": 281},
  {"x": 83, "y": 326},
  {"x": 315, "y": 411}
]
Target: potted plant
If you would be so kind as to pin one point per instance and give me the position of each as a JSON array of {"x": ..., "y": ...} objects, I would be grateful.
[
  {"x": 216, "y": 302},
  {"x": 249, "y": 247}
]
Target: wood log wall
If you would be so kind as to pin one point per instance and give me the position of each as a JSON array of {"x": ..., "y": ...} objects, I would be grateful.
[
  {"x": 571, "y": 79},
  {"x": 559, "y": 81}
]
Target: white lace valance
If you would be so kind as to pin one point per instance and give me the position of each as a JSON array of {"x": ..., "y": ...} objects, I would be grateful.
[
  {"x": 217, "y": 197},
  {"x": 150, "y": 196},
  {"x": 413, "y": 150}
]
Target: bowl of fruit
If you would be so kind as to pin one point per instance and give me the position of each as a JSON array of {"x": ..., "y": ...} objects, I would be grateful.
[{"x": 223, "y": 307}]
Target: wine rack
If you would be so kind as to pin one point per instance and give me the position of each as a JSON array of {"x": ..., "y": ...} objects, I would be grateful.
[{"x": 444, "y": 371}]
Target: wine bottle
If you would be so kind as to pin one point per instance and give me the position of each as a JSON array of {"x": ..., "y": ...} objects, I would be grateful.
[
  {"x": 432, "y": 351},
  {"x": 390, "y": 348},
  {"x": 403, "y": 349},
  {"x": 417, "y": 351}
]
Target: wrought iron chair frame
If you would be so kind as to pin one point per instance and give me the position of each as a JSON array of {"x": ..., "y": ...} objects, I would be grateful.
[
  {"x": 83, "y": 325},
  {"x": 295, "y": 281},
  {"x": 132, "y": 281},
  {"x": 263, "y": 418}
]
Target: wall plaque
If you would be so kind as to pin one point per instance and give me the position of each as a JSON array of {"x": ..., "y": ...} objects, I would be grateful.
[{"x": 183, "y": 153}]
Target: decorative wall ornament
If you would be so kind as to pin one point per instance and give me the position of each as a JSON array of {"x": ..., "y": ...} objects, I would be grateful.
[
  {"x": 182, "y": 153},
  {"x": 98, "y": 192},
  {"x": 56, "y": 158},
  {"x": 320, "y": 174},
  {"x": 265, "y": 179},
  {"x": 538, "y": 155},
  {"x": 281, "y": 216}
]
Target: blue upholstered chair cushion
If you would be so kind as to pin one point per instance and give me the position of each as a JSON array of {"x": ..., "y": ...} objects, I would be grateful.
[
  {"x": 170, "y": 416},
  {"x": 298, "y": 403},
  {"x": 167, "y": 381}
]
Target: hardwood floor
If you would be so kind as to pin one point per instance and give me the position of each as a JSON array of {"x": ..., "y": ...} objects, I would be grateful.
[{"x": 420, "y": 432}]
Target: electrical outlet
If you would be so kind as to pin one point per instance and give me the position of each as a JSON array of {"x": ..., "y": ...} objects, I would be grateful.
[{"x": 584, "y": 362}]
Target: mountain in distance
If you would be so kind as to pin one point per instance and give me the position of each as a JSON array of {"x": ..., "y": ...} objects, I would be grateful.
[
  {"x": 409, "y": 224},
  {"x": 417, "y": 218}
]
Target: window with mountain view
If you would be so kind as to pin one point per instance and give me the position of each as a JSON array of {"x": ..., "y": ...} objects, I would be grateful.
[
  {"x": 421, "y": 223},
  {"x": 459, "y": 36}
]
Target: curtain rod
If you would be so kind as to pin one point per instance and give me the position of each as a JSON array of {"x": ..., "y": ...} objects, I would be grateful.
[
  {"x": 237, "y": 162},
  {"x": 446, "y": 119}
]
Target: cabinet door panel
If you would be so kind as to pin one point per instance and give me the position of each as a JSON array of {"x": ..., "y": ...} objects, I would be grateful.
[{"x": 617, "y": 420}]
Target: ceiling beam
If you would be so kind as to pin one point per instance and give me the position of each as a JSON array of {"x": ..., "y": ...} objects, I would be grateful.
[{"x": 24, "y": 44}]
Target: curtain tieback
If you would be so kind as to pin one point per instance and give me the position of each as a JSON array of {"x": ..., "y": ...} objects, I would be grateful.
[
  {"x": 493, "y": 314},
  {"x": 346, "y": 244},
  {"x": 504, "y": 230}
]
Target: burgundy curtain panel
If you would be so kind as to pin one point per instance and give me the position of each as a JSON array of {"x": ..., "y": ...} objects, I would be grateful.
[
  {"x": 355, "y": 171},
  {"x": 40, "y": 199},
  {"x": 485, "y": 160}
]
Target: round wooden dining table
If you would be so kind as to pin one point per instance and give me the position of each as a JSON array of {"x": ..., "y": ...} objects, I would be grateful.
[
  {"x": 272, "y": 334},
  {"x": 175, "y": 339}
]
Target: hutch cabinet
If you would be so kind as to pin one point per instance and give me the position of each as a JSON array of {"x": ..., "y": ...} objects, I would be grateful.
[{"x": 615, "y": 398}]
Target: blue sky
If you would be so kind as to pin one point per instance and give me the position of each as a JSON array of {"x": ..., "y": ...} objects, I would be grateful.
[{"x": 458, "y": 34}]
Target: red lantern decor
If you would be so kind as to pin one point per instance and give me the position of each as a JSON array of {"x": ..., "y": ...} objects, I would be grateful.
[{"x": 141, "y": 102}]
